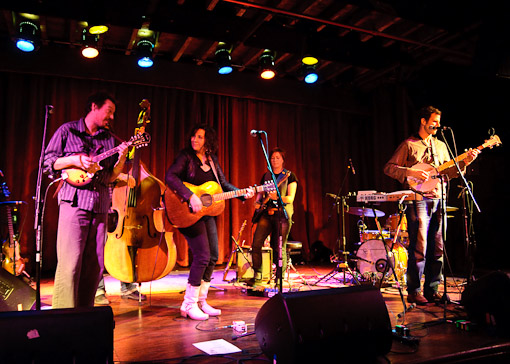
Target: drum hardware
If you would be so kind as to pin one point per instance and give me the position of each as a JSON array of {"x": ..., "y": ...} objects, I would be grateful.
[
  {"x": 363, "y": 211},
  {"x": 341, "y": 207}
]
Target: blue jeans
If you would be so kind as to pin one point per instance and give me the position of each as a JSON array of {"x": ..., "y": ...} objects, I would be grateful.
[
  {"x": 202, "y": 238},
  {"x": 425, "y": 253},
  {"x": 268, "y": 224}
]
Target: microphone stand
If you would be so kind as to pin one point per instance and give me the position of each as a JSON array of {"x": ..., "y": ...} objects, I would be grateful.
[
  {"x": 281, "y": 211},
  {"x": 38, "y": 207},
  {"x": 445, "y": 298}
]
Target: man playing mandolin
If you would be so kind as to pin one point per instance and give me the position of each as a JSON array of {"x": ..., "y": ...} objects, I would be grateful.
[
  {"x": 424, "y": 220},
  {"x": 83, "y": 209}
]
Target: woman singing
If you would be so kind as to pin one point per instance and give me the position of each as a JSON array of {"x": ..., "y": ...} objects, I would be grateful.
[{"x": 198, "y": 164}]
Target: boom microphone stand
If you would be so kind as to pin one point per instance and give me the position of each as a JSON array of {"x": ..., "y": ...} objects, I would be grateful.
[
  {"x": 282, "y": 213},
  {"x": 445, "y": 298}
]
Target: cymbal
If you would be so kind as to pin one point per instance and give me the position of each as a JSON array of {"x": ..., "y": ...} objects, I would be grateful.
[
  {"x": 451, "y": 209},
  {"x": 363, "y": 211}
]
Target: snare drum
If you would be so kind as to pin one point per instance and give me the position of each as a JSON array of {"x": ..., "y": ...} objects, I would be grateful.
[
  {"x": 392, "y": 224},
  {"x": 374, "y": 235}
]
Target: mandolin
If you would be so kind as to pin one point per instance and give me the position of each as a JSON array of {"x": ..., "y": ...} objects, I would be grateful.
[
  {"x": 78, "y": 177},
  {"x": 213, "y": 198},
  {"x": 419, "y": 185}
]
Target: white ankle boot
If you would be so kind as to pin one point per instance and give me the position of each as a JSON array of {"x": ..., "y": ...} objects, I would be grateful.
[
  {"x": 189, "y": 307},
  {"x": 202, "y": 296}
]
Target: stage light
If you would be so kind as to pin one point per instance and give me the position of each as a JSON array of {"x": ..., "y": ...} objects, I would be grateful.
[
  {"x": 266, "y": 63},
  {"x": 309, "y": 74},
  {"x": 89, "y": 48},
  {"x": 309, "y": 60},
  {"x": 144, "y": 52},
  {"x": 223, "y": 59},
  {"x": 98, "y": 29},
  {"x": 27, "y": 40}
]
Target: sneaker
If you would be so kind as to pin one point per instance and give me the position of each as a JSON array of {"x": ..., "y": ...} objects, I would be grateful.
[
  {"x": 134, "y": 296},
  {"x": 101, "y": 300},
  {"x": 417, "y": 298}
]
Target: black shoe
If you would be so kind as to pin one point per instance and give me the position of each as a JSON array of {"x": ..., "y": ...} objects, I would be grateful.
[
  {"x": 434, "y": 297},
  {"x": 134, "y": 296},
  {"x": 253, "y": 282}
]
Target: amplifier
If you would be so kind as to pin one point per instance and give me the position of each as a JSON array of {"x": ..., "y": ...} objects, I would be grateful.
[{"x": 244, "y": 269}]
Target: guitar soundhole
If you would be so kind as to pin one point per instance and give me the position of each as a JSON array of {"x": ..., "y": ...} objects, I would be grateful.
[{"x": 206, "y": 200}]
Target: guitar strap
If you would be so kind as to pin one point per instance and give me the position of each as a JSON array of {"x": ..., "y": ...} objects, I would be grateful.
[
  {"x": 213, "y": 167},
  {"x": 434, "y": 151}
]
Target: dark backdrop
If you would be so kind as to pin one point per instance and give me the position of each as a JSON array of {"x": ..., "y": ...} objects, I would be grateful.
[{"x": 319, "y": 141}]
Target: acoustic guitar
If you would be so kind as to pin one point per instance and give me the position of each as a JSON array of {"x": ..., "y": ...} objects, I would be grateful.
[
  {"x": 421, "y": 186},
  {"x": 79, "y": 177},
  {"x": 212, "y": 196}
]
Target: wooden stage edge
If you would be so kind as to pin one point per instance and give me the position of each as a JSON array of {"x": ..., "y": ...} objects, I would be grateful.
[{"x": 153, "y": 331}]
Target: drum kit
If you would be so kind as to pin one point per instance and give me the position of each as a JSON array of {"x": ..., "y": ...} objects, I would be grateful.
[{"x": 372, "y": 255}]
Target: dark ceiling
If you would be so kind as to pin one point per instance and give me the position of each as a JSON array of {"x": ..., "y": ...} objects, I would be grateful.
[{"x": 360, "y": 44}]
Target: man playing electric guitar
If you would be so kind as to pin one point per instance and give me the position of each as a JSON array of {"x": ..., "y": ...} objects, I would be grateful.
[{"x": 424, "y": 220}]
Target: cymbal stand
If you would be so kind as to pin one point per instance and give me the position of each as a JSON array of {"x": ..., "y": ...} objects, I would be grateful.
[
  {"x": 341, "y": 265},
  {"x": 389, "y": 251}
]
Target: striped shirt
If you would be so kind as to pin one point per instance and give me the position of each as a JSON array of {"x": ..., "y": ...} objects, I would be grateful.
[{"x": 72, "y": 138}]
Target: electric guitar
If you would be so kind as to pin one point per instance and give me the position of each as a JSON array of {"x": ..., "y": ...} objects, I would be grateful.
[
  {"x": 12, "y": 261},
  {"x": 263, "y": 205},
  {"x": 212, "y": 196},
  {"x": 421, "y": 186},
  {"x": 79, "y": 177}
]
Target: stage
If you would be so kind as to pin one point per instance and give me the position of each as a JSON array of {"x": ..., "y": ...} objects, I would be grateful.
[{"x": 154, "y": 332}]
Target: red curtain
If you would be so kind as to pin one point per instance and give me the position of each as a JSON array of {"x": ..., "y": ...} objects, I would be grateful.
[{"x": 318, "y": 144}]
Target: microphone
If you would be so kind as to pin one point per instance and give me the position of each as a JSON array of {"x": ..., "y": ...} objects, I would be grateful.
[
  {"x": 254, "y": 133},
  {"x": 352, "y": 167},
  {"x": 49, "y": 108},
  {"x": 439, "y": 127}
]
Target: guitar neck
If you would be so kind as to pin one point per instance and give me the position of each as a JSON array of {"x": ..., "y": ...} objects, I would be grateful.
[
  {"x": 233, "y": 194},
  {"x": 108, "y": 153},
  {"x": 12, "y": 237},
  {"x": 460, "y": 158}
]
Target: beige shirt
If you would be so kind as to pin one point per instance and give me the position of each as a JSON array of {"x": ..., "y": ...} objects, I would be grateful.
[{"x": 414, "y": 150}]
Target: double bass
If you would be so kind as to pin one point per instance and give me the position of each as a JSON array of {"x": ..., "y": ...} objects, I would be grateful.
[{"x": 135, "y": 250}]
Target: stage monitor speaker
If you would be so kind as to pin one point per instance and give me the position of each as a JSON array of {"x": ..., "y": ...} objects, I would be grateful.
[
  {"x": 244, "y": 269},
  {"x": 486, "y": 302},
  {"x": 81, "y": 335},
  {"x": 15, "y": 294},
  {"x": 325, "y": 326}
]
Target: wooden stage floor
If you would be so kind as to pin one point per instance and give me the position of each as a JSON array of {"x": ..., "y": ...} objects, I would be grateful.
[{"x": 154, "y": 332}]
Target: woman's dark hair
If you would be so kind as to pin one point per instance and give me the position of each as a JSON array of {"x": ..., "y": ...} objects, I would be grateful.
[
  {"x": 211, "y": 140},
  {"x": 98, "y": 98},
  {"x": 277, "y": 150}
]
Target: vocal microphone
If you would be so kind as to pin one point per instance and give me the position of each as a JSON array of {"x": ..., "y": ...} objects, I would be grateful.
[
  {"x": 254, "y": 133},
  {"x": 352, "y": 167},
  {"x": 439, "y": 127}
]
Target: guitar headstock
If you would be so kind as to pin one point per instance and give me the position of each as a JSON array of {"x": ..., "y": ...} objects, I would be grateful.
[
  {"x": 269, "y": 187},
  {"x": 493, "y": 141},
  {"x": 140, "y": 140}
]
